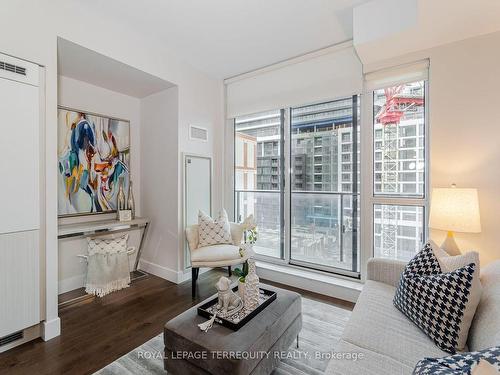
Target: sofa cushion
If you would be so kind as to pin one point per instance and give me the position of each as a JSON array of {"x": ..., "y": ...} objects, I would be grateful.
[
  {"x": 378, "y": 326},
  {"x": 438, "y": 302},
  {"x": 216, "y": 253},
  {"x": 485, "y": 328},
  {"x": 367, "y": 362},
  {"x": 451, "y": 263}
]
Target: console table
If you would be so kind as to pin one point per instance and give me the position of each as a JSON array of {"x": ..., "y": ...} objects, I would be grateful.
[{"x": 107, "y": 227}]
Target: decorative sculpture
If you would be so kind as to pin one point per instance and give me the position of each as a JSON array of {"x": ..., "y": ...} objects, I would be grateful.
[
  {"x": 251, "y": 287},
  {"x": 228, "y": 301}
]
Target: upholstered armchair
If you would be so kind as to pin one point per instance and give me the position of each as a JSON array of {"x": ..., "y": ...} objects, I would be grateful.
[{"x": 222, "y": 255}]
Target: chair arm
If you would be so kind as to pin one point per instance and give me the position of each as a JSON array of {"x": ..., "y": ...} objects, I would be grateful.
[{"x": 387, "y": 271}]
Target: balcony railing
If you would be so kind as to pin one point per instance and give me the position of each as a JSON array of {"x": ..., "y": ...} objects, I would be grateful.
[{"x": 323, "y": 231}]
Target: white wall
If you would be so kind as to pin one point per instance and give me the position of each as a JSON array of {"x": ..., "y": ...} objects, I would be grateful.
[
  {"x": 464, "y": 97},
  {"x": 159, "y": 187},
  {"x": 206, "y": 109},
  {"x": 37, "y": 24},
  {"x": 83, "y": 96}
]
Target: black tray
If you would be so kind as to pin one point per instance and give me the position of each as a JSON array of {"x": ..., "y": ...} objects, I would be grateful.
[{"x": 202, "y": 310}]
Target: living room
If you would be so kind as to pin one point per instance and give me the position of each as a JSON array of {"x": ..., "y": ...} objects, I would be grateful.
[{"x": 250, "y": 187}]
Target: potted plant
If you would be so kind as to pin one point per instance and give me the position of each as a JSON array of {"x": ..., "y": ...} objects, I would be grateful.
[{"x": 241, "y": 274}]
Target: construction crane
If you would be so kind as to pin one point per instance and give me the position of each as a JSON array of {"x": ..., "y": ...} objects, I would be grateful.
[{"x": 390, "y": 116}]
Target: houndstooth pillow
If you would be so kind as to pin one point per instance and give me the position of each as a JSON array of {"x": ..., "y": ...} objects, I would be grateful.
[
  {"x": 458, "y": 364},
  {"x": 435, "y": 301},
  {"x": 213, "y": 231}
]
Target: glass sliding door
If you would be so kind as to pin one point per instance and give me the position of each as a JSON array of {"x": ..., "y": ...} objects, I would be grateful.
[
  {"x": 324, "y": 185},
  {"x": 258, "y": 177}
]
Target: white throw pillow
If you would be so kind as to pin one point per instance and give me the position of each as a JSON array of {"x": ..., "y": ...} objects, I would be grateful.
[
  {"x": 450, "y": 263},
  {"x": 213, "y": 231}
]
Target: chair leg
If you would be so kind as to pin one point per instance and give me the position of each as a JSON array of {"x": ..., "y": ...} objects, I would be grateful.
[
  {"x": 229, "y": 271},
  {"x": 194, "y": 277}
]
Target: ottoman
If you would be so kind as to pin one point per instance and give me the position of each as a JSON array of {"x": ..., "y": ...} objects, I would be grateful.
[{"x": 253, "y": 349}]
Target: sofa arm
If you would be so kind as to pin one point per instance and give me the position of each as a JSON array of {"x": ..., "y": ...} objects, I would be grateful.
[{"x": 387, "y": 271}]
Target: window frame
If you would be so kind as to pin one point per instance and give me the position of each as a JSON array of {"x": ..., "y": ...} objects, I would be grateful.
[
  {"x": 357, "y": 122},
  {"x": 280, "y": 192},
  {"x": 366, "y": 187},
  {"x": 286, "y": 192},
  {"x": 368, "y": 197}
]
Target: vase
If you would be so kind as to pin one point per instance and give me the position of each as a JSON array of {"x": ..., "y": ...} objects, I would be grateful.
[
  {"x": 120, "y": 201},
  {"x": 251, "y": 287},
  {"x": 131, "y": 201},
  {"x": 241, "y": 290}
]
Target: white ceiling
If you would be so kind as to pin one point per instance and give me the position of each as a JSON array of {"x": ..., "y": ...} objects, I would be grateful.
[
  {"x": 85, "y": 65},
  {"x": 384, "y": 29},
  {"x": 227, "y": 37}
]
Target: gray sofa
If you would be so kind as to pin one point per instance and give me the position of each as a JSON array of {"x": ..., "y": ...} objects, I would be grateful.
[{"x": 389, "y": 342}]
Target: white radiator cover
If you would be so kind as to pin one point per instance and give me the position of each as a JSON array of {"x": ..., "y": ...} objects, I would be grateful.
[
  {"x": 19, "y": 196},
  {"x": 19, "y": 281},
  {"x": 20, "y": 152}
]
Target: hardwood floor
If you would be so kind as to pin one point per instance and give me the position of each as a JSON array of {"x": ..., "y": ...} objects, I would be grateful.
[{"x": 97, "y": 331}]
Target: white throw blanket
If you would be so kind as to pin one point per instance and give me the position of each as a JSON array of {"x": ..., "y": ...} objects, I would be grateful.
[{"x": 107, "y": 269}]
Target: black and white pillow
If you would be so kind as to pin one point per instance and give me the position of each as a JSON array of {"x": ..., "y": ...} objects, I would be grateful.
[
  {"x": 424, "y": 263},
  {"x": 463, "y": 363},
  {"x": 435, "y": 301}
]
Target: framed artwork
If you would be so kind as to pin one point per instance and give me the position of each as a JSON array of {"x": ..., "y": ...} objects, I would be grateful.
[{"x": 93, "y": 157}]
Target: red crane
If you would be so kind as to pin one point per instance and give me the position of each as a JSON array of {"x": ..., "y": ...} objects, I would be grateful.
[{"x": 394, "y": 106}]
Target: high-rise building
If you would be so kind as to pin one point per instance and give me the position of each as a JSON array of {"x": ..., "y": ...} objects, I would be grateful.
[
  {"x": 399, "y": 163},
  {"x": 323, "y": 159}
]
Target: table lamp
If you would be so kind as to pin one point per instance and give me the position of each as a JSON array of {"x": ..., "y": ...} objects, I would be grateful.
[{"x": 454, "y": 210}]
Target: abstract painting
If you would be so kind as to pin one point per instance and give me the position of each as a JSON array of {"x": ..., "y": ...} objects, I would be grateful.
[{"x": 93, "y": 156}]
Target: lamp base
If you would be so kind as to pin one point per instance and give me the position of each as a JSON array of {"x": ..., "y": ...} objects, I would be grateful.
[{"x": 449, "y": 245}]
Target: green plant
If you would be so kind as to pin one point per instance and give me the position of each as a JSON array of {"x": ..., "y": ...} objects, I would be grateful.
[
  {"x": 251, "y": 235},
  {"x": 241, "y": 273}
]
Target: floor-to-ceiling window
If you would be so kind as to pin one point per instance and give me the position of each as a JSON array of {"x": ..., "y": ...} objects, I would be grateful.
[
  {"x": 322, "y": 217},
  {"x": 324, "y": 189},
  {"x": 258, "y": 177},
  {"x": 330, "y": 189},
  {"x": 399, "y": 170}
]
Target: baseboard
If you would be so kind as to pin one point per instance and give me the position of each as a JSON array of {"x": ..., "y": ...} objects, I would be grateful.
[
  {"x": 51, "y": 329},
  {"x": 186, "y": 274},
  {"x": 71, "y": 283},
  {"x": 168, "y": 273},
  {"x": 160, "y": 271},
  {"x": 327, "y": 285}
]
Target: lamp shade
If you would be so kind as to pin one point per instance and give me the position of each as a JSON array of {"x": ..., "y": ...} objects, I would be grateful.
[{"x": 456, "y": 210}]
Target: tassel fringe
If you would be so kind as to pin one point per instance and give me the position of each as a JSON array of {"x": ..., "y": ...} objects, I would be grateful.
[{"x": 102, "y": 290}]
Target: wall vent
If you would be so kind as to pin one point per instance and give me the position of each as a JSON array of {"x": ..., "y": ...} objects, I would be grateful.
[
  {"x": 198, "y": 133},
  {"x": 12, "y": 68},
  {"x": 11, "y": 338}
]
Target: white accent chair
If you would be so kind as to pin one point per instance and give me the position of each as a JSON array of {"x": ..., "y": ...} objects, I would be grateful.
[{"x": 224, "y": 255}]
